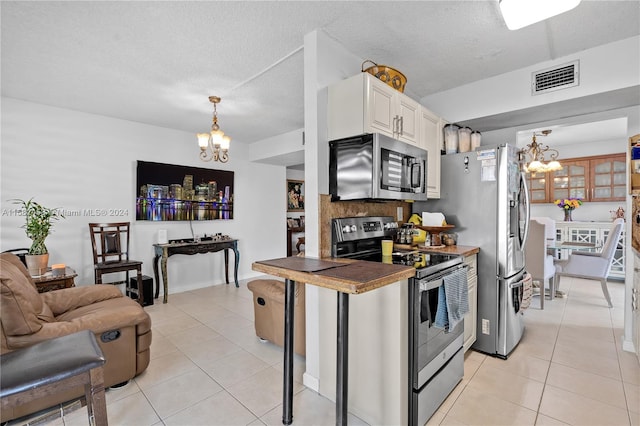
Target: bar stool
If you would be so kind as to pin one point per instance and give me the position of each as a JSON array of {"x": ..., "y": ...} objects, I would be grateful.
[{"x": 56, "y": 365}]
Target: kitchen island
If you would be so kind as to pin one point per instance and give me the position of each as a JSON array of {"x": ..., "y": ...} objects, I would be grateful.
[{"x": 345, "y": 276}]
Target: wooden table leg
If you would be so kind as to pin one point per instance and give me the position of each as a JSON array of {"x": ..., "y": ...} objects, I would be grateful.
[
  {"x": 94, "y": 395},
  {"x": 287, "y": 393},
  {"x": 165, "y": 279},
  {"x": 226, "y": 265},
  {"x": 155, "y": 274},
  {"x": 342, "y": 360},
  {"x": 237, "y": 258}
]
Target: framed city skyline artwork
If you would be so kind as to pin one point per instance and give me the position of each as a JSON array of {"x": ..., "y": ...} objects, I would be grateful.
[{"x": 169, "y": 192}]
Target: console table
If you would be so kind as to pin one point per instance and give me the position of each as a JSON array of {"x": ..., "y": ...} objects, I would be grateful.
[
  {"x": 48, "y": 281},
  {"x": 164, "y": 251}
]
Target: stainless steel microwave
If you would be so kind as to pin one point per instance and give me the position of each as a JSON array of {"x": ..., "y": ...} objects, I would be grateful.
[{"x": 375, "y": 166}]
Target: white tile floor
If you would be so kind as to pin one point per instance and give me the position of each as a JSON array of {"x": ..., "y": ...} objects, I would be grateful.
[{"x": 208, "y": 368}]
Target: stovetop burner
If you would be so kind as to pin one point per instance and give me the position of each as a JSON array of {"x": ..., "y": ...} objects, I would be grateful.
[{"x": 425, "y": 263}]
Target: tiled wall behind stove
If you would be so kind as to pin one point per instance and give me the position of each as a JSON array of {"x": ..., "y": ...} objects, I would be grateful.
[{"x": 330, "y": 210}]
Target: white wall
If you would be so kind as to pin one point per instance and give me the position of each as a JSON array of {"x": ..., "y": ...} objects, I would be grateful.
[
  {"x": 78, "y": 161},
  {"x": 602, "y": 69},
  {"x": 325, "y": 61}
]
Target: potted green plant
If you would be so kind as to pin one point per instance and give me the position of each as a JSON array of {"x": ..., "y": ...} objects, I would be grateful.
[{"x": 39, "y": 220}]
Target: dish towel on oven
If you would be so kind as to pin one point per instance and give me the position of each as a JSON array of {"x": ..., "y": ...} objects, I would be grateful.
[{"x": 453, "y": 300}]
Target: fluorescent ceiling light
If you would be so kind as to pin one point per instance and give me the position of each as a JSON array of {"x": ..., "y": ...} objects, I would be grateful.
[{"x": 520, "y": 13}]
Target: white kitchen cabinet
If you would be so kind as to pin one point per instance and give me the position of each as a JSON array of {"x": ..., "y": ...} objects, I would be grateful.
[
  {"x": 592, "y": 232},
  {"x": 431, "y": 139},
  {"x": 364, "y": 104},
  {"x": 471, "y": 318}
]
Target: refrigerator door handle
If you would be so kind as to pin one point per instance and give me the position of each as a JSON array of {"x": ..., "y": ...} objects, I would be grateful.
[{"x": 525, "y": 190}]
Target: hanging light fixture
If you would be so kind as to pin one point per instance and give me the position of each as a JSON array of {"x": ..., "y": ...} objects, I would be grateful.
[
  {"x": 537, "y": 153},
  {"x": 214, "y": 145}
]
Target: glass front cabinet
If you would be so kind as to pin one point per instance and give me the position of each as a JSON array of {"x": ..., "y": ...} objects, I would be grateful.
[{"x": 599, "y": 178}]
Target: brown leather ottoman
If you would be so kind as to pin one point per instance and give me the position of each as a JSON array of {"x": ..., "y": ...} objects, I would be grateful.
[{"x": 268, "y": 305}]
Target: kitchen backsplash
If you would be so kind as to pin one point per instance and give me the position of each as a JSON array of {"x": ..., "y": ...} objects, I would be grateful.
[{"x": 330, "y": 210}]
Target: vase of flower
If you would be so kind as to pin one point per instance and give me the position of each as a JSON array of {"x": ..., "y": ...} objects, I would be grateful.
[
  {"x": 567, "y": 215},
  {"x": 568, "y": 205}
]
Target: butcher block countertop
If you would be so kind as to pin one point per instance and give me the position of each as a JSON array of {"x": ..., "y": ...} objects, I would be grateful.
[
  {"x": 459, "y": 250},
  {"x": 344, "y": 275}
]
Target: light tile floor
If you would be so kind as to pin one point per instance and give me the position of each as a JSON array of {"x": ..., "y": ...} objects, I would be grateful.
[{"x": 208, "y": 368}]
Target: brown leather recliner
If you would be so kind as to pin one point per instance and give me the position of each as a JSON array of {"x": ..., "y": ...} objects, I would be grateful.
[{"x": 121, "y": 326}]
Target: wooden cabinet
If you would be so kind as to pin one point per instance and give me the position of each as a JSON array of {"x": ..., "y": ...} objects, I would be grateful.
[
  {"x": 471, "y": 318},
  {"x": 599, "y": 178},
  {"x": 537, "y": 183},
  {"x": 609, "y": 178},
  {"x": 572, "y": 181},
  {"x": 595, "y": 233},
  {"x": 364, "y": 104},
  {"x": 431, "y": 140}
]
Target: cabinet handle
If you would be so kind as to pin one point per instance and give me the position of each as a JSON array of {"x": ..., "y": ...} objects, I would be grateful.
[
  {"x": 402, "y": 125},
  {"x": 395, "y": 125}
]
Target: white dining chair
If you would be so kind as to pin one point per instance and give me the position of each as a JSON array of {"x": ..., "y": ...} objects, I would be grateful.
[
  {"x": 593, "y": 266},
  {"x": 537, "y": 262}
]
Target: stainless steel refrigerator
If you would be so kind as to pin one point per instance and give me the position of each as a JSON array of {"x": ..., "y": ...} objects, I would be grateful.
[{"x": 483, "y": 193}]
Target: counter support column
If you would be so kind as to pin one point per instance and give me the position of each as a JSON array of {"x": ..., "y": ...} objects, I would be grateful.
[
  {"x": 342, "y": 361},
  {"x": 287, "y": 397}
]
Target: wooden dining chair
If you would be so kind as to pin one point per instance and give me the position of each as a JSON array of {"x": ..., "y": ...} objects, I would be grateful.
[{"x": 110, "y": 243}]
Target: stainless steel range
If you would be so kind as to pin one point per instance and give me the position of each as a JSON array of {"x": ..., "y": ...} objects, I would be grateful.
[{"x": 435, "y": 353}]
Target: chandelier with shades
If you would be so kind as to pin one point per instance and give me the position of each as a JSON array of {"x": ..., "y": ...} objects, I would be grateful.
[
  {"x": 214, "y": 145},
  {"x": 537, "y": 153}
]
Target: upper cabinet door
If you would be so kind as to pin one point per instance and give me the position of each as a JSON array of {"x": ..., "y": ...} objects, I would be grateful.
[
  {"x": 538, "y": 187},
  {"x": 571, "y": 181},
  {"x": 408, "y": 120},
  {"x": 609, "y": 178},
  {"x": 382, "y": 116},
  {"x": 431, "y": 140}
]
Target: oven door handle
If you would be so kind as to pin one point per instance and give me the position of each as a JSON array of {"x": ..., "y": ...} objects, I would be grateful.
[{"x": 432, "y": 281}]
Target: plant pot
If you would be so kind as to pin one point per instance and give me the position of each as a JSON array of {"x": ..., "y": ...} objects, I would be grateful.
[{"x": 37, "y": 263}]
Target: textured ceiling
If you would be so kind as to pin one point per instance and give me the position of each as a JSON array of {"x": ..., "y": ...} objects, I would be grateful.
[{"x": 157, "y": 62}]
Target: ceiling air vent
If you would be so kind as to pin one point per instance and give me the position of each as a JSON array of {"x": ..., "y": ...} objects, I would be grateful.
[{"x": 556, "y": 78}]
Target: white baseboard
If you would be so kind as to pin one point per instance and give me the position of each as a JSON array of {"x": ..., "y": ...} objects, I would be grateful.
[
  {"x": 311, "y": 382},
  {"x": 627, "y": 346}
]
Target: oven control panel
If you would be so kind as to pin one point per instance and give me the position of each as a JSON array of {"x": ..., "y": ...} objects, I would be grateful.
[
  {"x": 372, "y": 226},
  {"x": 359, "y": 228}
]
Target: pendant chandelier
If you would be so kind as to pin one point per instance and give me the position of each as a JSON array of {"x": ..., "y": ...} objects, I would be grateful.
[
  {"x": 214, "y": 145},
  {"x": 537, "y": 153}
]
